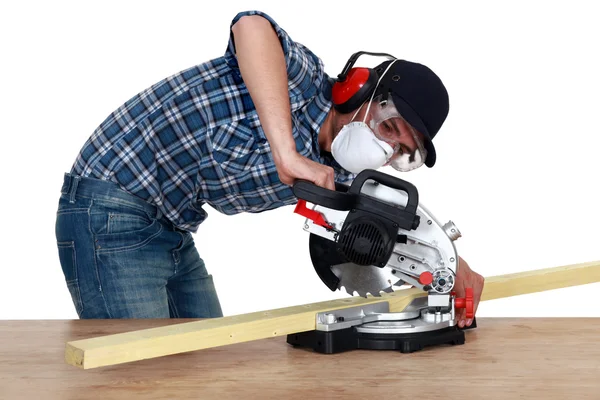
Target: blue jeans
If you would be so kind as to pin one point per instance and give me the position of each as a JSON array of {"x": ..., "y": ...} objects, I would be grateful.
[{"x": 122, "y": 259}]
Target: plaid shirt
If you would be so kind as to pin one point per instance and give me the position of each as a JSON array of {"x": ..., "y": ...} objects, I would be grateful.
[{"x": 195, "y": 138}]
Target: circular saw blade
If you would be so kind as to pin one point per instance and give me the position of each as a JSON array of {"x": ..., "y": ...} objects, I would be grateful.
[{"x": 336, "y": 272}]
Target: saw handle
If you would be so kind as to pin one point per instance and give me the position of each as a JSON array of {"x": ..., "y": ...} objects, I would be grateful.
[
  {"x": 389, "y": 181},
  {"x": 336, "y": 200},
  {"x": 350, "y": 199}
]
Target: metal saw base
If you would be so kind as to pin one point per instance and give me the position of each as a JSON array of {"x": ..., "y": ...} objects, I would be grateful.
[{"x": 336, "y": 341}]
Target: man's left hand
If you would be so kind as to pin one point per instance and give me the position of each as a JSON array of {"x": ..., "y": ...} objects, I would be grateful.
[{"x": 466, "y": 278}]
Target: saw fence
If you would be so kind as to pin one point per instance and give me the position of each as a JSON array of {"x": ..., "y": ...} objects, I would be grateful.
[{"x": 202, "y": 334}]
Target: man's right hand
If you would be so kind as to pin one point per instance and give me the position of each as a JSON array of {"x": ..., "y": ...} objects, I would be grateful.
[{"x": 292, "y": 166}]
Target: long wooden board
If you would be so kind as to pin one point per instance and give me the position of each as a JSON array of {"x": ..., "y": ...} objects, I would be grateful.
[{"x": 197, "y": 335}]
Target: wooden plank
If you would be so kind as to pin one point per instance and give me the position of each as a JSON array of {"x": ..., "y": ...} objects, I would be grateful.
[
  {"x": 202, "y": 334},
  {"x": 197, "y": 335},
  {"x": 541, "y": 280}
]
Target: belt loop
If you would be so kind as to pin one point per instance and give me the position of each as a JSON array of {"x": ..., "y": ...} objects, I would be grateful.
[
  {"x": 73, "y": 189},
  {"x": 66, "y": 184}
]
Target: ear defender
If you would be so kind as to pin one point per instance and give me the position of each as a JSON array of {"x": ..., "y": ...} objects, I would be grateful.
[
  {"x": 350, "y": 93},
  {"x": 354, "y": 85}
]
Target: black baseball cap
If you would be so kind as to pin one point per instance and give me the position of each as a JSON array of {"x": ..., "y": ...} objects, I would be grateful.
[{"x": 419, "y": 96}]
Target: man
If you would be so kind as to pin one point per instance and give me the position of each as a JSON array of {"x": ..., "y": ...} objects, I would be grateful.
[{"x": 234, "y": 133}]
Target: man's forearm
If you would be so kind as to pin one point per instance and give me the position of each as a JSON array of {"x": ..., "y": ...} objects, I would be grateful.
[{"x": 263, "y": 68}]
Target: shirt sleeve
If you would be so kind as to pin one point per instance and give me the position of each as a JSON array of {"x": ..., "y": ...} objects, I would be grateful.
[{"x": 304, "y": 69}]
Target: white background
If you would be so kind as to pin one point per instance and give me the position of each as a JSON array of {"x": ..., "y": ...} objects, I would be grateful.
[{"x": 517, "y": 158}]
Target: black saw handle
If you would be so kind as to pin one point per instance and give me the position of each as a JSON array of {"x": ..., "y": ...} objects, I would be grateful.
[
  {"x": 389, "y": 181},
  {"x": 347, "y": 199},
  {"x": 336, "y": 200}
]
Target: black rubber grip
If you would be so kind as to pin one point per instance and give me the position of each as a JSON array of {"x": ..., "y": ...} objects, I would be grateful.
[{"x": 336, "y": 200}]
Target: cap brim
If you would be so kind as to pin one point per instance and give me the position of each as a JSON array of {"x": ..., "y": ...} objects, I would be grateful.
[{"x": 416, "y": 122}]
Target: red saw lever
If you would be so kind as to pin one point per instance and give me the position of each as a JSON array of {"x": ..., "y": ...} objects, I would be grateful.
[
  {"x": 466, "y": 302},
  {"x": 313, "y": 215}
]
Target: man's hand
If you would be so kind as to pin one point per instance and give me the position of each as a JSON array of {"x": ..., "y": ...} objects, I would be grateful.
[
  {"x": 467, "y": 278},
  {"x": 292, "y": 166}
]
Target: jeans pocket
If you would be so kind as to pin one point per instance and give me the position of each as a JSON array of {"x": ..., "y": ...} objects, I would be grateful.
[
  {"x": 114, "y": 217},
  {"x": 68, "y": 262},
  {"x": 121, "y": 227},
  {"x": 120, "y": 222}
]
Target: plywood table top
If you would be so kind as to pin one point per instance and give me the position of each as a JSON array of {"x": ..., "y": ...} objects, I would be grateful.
[{"x": 503, "y": 358}]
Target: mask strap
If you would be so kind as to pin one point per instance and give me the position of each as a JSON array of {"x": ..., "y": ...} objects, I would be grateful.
[
  {"x": 359, "y": 108},
  {"x": 375, "y": 90}
]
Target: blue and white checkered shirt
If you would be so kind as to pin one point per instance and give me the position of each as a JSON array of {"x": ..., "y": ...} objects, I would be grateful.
[{"x": 195, "y": 138}]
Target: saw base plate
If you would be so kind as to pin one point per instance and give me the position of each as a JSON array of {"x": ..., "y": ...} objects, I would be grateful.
[{"x": 331, "y": 342}]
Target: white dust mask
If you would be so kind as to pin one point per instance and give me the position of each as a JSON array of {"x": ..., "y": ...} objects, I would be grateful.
[{"x": 356, "y": 147}]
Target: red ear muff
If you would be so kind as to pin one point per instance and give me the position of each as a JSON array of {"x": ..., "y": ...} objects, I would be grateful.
[
  {"x": 354, "y": 85},
  {"x": 350, "y": 93}
]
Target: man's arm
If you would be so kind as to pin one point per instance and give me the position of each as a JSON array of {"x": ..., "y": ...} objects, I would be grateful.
[{"x": 263, "y": 68}]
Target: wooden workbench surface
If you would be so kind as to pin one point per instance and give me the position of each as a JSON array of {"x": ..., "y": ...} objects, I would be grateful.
[{"x": 502, "y": 359}]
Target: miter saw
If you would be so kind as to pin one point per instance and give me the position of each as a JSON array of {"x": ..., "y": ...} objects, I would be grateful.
[{"x": 367, "y": 238}]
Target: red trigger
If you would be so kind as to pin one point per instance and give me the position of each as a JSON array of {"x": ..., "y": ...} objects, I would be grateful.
[{"x": 313, "y": 215}]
